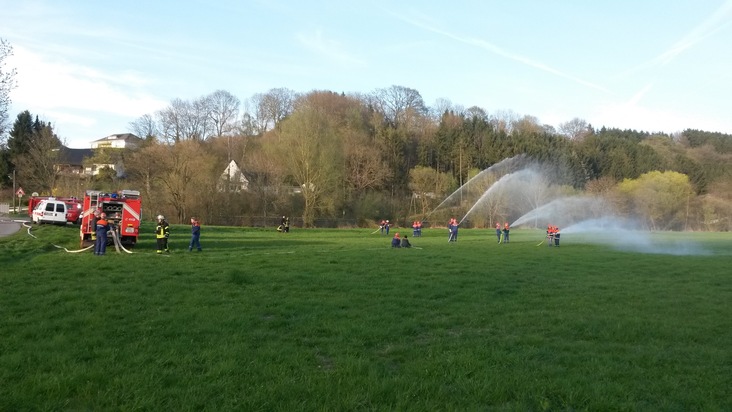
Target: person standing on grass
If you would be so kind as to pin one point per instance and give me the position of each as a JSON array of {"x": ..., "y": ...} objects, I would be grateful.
[
  {"x": 498, "y": 231},
  {"x": 506, "y": 230},
  {"x": 162, "y": 232},
  {"x": 101, "y": 228},
  {"x": 556, "y": 236},
  {"x": 195, "y": 235}
]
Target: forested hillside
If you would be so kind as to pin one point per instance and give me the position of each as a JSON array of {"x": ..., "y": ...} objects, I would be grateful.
[{"x": 329, "y": 159}]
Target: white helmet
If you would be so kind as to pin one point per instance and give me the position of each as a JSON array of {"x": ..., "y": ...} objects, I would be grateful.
[{"x": 161, "y": 217}]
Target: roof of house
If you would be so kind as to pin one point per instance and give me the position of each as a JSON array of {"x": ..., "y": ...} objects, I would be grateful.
[
  {"x": 127, "y": 137},
  {"x": 71, "y": 156}
]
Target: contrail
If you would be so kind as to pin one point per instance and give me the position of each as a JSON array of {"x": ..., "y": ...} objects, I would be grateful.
[{"x": 503, "y": 53}]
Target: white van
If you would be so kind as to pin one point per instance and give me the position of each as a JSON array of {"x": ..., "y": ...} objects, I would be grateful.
[{"x": 50, "y": 211}]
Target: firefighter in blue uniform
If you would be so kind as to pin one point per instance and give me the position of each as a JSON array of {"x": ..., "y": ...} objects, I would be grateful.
[
  {"x": 162, "y": 232},
  {"x": 101, "y": 228}
]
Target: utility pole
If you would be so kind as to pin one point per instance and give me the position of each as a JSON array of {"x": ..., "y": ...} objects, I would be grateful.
[{"x": 14, "y": 193}]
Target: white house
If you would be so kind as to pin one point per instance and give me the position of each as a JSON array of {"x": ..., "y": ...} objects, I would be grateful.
[
  {"x": 117, "y": 141},
  {"x": 233, "y": 179},
  {"x": 113, "y": 141}
]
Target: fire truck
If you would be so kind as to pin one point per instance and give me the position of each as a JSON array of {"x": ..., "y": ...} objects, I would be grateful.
[
  {"x": 71, "y": 209},
  {"x": 123, "y": 210}
]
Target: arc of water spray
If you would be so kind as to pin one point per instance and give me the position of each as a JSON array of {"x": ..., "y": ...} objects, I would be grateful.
[
  {"x": 509, "y": 164},
  {"x": 507, "y": 179}
]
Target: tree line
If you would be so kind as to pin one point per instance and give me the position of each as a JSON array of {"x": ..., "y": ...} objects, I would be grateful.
[{"x": 334, "y": 158}]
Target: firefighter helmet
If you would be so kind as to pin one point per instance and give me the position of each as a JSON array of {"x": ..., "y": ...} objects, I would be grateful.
[{"x": 161, "y": 217}]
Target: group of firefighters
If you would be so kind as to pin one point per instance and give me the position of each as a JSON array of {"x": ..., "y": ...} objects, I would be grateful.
[
  {"x": 417, "y": 228},
  {"x": 502, "y": 233},
  {"x": 162, "y": 233},
  {"x": 552, "y": 235},
  {"x": 102, "y": 227}
]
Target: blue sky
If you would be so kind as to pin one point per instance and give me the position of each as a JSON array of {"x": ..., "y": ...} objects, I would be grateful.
[{"x": 92, "y": 67}]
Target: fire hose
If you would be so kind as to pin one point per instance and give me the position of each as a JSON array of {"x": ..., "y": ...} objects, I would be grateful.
[{"x": 115, "y": 240}]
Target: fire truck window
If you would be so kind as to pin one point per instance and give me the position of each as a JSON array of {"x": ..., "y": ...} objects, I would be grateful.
[
  {"x": 60, "y": 208},
  {"x": 49, "y": 207}
]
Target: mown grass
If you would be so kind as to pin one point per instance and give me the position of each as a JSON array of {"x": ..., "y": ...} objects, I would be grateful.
[{"x": 337, "y": 320}]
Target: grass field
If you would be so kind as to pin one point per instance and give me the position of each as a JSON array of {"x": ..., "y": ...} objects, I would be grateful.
[{"x": 336, "y": 320}]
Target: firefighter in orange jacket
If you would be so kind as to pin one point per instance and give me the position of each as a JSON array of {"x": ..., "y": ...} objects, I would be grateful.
[
  {"x": 396, "y": 241},
  {"x": 101, "y": 227},
  {"x": 162, "y": 232}
]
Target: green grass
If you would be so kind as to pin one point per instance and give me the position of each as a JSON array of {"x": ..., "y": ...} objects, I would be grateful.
[{"x": 337, "y": 320}]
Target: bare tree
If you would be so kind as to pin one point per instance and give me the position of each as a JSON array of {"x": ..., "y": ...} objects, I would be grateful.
[
  {"x": 527, "y": 125},
  {"x": 7, "y": 83},
  {"x": 171, "y": 121},
  {"x": 398, "y": 104},
  {"x": 477, "y": 112},
  {"x": 504, "y": 120},
  {"x": 145, "y": 127},
  {"x": 364, "y": 167},
  {"x": 199, "y": 122},
  {"x": 185, "y": 120},
  {"x": 267, "y": 110},
  {"x": 575, "y": 129},
  {"x": 223, "y": 110},
  {"x": 439, "y": 108},
  {"x": 186, "y": 168}
]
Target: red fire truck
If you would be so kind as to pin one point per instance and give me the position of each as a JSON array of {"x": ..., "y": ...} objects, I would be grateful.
[
  {"x": 123, "y": 210},
  {"x": 72, "y": 207}
]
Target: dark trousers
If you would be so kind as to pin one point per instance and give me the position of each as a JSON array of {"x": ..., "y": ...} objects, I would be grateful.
[
  {"x": 100, "y": 244},
  {"x": 162, "y": 244},
  {"x": 195, "y": 242}
]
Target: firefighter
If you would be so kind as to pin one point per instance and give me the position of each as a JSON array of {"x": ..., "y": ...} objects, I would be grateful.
[
  {"x": 195, "y": 235},
  {"x": 452, "y": 227},
  {"x": 506, "y": 231},
  {"x": 396, "y": 241},
  {"x": 162, "y": 232},
  {"x": 101, "y": 228},
  {"x": 405, "y": 242},
  {"x": 498, "y": 231},
  {"x": 94, "y": 219}
]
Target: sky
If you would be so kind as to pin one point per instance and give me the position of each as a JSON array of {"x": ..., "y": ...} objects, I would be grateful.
[{"x": 92, "y": 67}]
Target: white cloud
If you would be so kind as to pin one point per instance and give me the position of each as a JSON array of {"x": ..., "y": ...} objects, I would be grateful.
[
  {"x": 47, "y": 86},
  {"x": 630, "y": 115}
]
